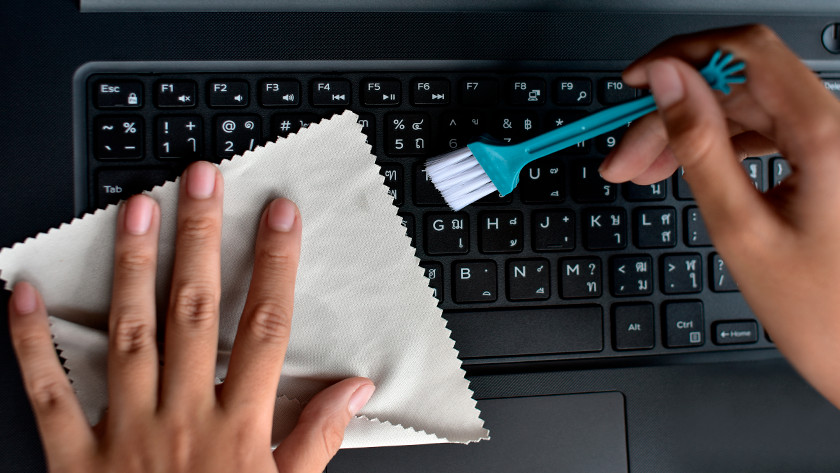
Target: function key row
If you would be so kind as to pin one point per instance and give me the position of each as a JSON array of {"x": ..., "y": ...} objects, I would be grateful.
[{"x": 373, "y": 92}]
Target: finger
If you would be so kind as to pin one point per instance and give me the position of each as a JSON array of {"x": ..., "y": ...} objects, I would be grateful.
[
  {"x": 662, "y": 167},
  {"x": 65, "y": 432},
  {"x": 699, "y": 140},
  {"x": 320, "y": 429},
  {"x": 132, "y": 352},
  {"x": 192, "y": 323},
  {"x": 750, "y": 144},
  {"x": 637, "y": 150},
  {"x": 263, "y": 334}
]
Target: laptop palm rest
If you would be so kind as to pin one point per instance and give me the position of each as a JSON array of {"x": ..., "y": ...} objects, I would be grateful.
[{"x": 569, "y": 433}]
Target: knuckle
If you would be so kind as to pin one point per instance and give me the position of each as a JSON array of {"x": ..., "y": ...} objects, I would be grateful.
[
  {"x": 195, "y": 306},
  {"x": 135, "y": 262},
  {"x": 132, "y": 335},
  {"x": 198, "y": 227},
  {"x": 277, "y": 257},
  {"x": 28, "y": 343},
  {"x": 332, "y": 434},
  {"x": 270, "y": 322},
  {"x": 692, "y": 138},
  {"x": 48, "y": 394},
  {"x": 760, "y": 34}
]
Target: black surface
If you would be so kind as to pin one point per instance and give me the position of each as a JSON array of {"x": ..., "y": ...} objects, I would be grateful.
[{"x": 744, "y": 416}]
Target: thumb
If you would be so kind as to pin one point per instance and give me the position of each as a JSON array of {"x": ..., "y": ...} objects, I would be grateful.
[
  {"x": 698, "y": 137},
  {"x": 320, "y": 429}
]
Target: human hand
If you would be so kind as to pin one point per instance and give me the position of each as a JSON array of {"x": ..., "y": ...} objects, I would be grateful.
[
  {"x": 171, "y": 417},
  {"x": 782, "y": 247}
]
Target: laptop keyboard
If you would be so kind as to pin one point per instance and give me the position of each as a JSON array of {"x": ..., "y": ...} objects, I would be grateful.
[{"x": 568, "y": 266}]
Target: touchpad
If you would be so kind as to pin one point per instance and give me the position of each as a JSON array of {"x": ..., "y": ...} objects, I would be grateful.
[{"x": 569, "y": 433}]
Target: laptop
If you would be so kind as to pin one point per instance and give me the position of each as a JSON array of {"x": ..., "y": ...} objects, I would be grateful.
[{"x": 598, "y": 326}]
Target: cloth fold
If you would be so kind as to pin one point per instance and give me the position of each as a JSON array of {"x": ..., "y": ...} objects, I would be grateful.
[{"x": 362, "y": 304}]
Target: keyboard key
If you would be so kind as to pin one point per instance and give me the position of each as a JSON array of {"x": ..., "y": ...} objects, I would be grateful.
[
  {"x": 118, "y": 137},
  {"x": 527, "y": 332},
  {"x": 682, "y": 274},
  {"x": 614, "y": 90},
  {"x": 608, "y": 141},
  {"x": 833, "y": 86},
  {"x": 407, "y": 134},
  {"x": 237, "y": 134},
  {"x": 331, "y": 92},
  {"x": 735, "y": 333},
  {"x": 681, "y": 189},
  {"x": 393, "y": 174},
  {"x": 176, "y": 93},
  {"x": 279, "y": 93},
  {"x": 605, "y": 229},
  {"x": 501, "y": 232},
  {"x": 573, "y": 91},
  {"x": 114, "y": 185},
  {"x": 447, "y": 233},
  {"x": 381, "y": 92},
  {"x": 232, "y": 93},
  {"x": 755, "y": 171},
  {"x": 479, "y": 92},
  {"x": 543, "y": 181},
  {"x": 119, "y": 94},
  {"x": 781, "y": 170},
  {"x": 284, "y": 124},
  {"x": 683, "y": 322},
  {"x": 580, "y": 277},
  {"x": 474, "y": 281},
  {"x": 721, "y": 279},
  {"x": 695, "y": 229},
  {"x": 434, "y": 271},
  {"x": 633, "y": 326},
  {"x": 558, "y": 118},
  {"x": 553, "y": 230},
  {"x": 650, "y": 192},
  {"x": 515, "y": 127},
  {"x": 588, "y": 185},
  {"x": 632, "y": 275},
  {"x": 528, "y": 279},
  {"x": 494, "y": 198},
  {"x": 527, "y": 91},
  {"x": 430, "y": 92},
  {"x": 368, "y": 122},
  {"x": 656, "y": 227},
  {"x": 425, "y": 192},
  {"x": 408, "y": 223},
  {"x": 179, "y": 137}
]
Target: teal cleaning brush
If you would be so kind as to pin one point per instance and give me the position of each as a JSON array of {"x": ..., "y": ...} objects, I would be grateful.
[{"x": 466, "y": 175}]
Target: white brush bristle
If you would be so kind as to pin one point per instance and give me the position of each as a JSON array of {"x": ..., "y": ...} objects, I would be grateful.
[{"x": 459, "y": 178}]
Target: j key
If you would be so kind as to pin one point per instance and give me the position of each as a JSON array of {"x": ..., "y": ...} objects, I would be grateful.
[
  {"x": 781, "y": 170},
  {"x": 605, "y": 229},
  {"x": 543, "y": 181},
  {"x": 114, "y": 185},
  {"x": 447, "y": 233},
  {"x": 501, "y": 232},
  {"x": 632, "y": 275},
  {"x": 474, "y": 281},
  {"x": 656, "y": 227},
  {"x": 430, "y": 92},
  {"x": 580, "y": 278},
  {"x": 479, "y": 92},
  {"x": 425, "y": 192},
  {"x": 514, "y": 127},
  {"x": 284, "y": 124},
  {"x": 587, "y": 184},
  {"x": 232, "y": 93},
  {"x": 279, "y": 93},
  {"x": 755, "y": 171},
  {"x": 333, "y": 92},
  {"x": 118, "y": 137},
  {"x": 179, "y": 137},
  {"x": 572, "y": 91},
  {"x": 236, "y": 134},
  {"x": 434, "y": 271},
  {"x": 721, "y": 279},
  {"x": 528, "y": 279},
  {"x": 651, "y": 192},
  {"x": 558, "y": 118},
  {"x": 176, "y": 93},
  {"x": 381, "y": 92},
  {"x": 682, "y": 274},
  {"x": 408, "y": 224},
  {"x": 407, "y": 134},
  {"x": 633, "y": 326},
  {"x": 119, "y": 94},
  {"x": 526, "y": 91},
  {"x": 614, "y": 90},
  {"x": 393, "y": 174},
  {"x": 553, "y": 230},
  {"x": 684, "y": 326},
  {"x": 695, "y": 230}
]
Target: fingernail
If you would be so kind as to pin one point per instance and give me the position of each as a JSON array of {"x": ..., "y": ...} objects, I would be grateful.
[
  {"x": 605, "y": 164},
  {"x": 360, "y": 398},
  {"x": 201, "y": 180},
  {"x": 281, "y": 215},
  {"x": 138, "y": 215},
  {"x": 665, "y": 83},
  {"x": 23, "y": 298}
]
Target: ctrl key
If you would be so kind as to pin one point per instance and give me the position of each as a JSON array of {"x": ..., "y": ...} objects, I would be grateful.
[
  {"x": 114, "y": 185},
  {"x": 683, "y": 324}
]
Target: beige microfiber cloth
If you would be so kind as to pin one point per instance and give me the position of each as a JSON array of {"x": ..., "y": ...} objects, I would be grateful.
[{"x": 362, "y": 304}]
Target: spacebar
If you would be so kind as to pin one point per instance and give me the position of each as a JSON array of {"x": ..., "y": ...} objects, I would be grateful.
[{"x": 543, "y": 330}]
